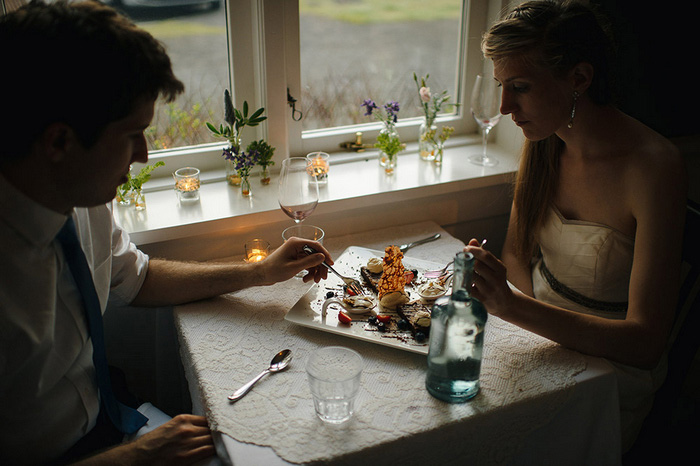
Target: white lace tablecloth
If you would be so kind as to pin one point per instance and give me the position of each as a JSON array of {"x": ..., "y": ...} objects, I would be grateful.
[{"x": 226, "y": 341}]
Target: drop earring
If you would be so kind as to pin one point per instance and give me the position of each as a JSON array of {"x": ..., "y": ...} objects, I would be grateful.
[{"x": 573, "y": 111}]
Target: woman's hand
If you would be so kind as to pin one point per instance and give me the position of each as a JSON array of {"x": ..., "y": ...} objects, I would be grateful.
[
  {"x": 489, "y": 282},
  {"x": 290, "y": 259}
]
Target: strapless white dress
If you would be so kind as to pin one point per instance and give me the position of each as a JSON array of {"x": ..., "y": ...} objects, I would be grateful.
[{"x": 585, "y": 267}]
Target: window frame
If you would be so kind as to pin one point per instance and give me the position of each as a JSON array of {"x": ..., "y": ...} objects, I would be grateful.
[{"x": 264, "y": 59}]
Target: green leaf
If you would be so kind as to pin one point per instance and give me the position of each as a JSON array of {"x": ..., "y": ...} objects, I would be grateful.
[{"x": 257, "y": 113}]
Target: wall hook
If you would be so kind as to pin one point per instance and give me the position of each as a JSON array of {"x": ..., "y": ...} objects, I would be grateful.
[{"x": 291, "y": 101}]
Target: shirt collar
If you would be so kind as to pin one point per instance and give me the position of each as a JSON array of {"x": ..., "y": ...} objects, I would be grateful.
[{"x": 38, "y": 224}]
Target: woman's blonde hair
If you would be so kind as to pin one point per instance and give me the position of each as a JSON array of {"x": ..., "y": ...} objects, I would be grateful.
[{"x": 557, "y": 36}]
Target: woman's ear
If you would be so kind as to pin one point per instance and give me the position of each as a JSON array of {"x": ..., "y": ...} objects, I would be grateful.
[{"x": 582, "y": 76}]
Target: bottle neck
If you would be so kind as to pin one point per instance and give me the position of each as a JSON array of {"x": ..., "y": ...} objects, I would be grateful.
[{"x": 463, "y": 270}]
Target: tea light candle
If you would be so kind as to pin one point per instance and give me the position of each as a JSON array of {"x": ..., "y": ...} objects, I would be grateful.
[
  {"x": 319, "y": 166},
  {"x": 256, "y": 250},
  {"x": 187, "y": 183}
]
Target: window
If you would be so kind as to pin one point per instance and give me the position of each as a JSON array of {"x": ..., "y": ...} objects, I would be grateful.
[
  {"x": 328, "y": 60},
  {"x": 350, "y": 51},
  {"x": 328, "y": 55}
]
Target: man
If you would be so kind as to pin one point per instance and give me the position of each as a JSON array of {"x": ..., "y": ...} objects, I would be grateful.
[{"x": 79, "y": 83}]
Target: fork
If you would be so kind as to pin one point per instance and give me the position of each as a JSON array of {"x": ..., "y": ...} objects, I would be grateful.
[
  {"x": 406, "y": 247},
  {"x": 437, "y": 273},
  {"x": 352, "y": 284},
  {"x": 440, "y": 273}
]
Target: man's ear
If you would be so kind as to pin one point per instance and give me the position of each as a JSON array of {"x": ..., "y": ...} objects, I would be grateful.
[{"x": 57, "y": 140}]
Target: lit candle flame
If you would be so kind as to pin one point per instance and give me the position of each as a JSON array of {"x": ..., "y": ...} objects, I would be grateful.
[
  {"x": 319, "y": 166},
  {"x": 187, "y": 184},
  {"x": 256, "y": 255}
]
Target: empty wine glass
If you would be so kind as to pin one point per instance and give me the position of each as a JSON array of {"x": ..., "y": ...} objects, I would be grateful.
[
  {"x": 297, "y": 197},
  {"x": 486, "y": 105}
]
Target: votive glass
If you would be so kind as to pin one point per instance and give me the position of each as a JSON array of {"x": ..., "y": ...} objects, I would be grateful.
[
  {"x": 256, "y": 250},
  {"x": 320, "y": 166},
  {"x": 334, "y": 374},
  {"x": 187, "y": 184}
]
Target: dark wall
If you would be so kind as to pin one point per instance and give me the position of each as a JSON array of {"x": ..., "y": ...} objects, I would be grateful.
[{"x": 657, "y": 74}]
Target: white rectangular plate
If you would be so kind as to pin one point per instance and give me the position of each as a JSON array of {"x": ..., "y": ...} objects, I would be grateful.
[{"x": 307, "y": 311}]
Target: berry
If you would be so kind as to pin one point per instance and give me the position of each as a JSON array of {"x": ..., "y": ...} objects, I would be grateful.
[
  {"x": 343, "y": 318},
  {"x": 385, "y": 319},
  {"x": 381, "y": 326},
  {"x": 420, "y": 337},
  {"x": 403, "y": 324},
  {"x": 408, "y": 275},
  {"x": 372, "y": 320},
  {"x": 330, "y": 295}
]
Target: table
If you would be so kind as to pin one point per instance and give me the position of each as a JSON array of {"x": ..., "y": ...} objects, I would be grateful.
[{"x": 539, "y": 403}]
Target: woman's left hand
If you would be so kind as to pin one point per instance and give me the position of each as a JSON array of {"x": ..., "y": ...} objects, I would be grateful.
[{"x": 489, "y": 281}]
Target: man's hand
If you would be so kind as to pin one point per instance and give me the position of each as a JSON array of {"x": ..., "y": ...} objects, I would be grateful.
[
  {"x": 289, "y": 259},
  {"x": 183, "y": 440}
]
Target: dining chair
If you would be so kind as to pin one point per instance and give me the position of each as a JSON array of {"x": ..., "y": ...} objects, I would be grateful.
[{"x": 672, "y": 424}]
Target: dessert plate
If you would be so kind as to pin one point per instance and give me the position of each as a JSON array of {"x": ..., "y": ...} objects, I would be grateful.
[{"x": 307, "y": 311}]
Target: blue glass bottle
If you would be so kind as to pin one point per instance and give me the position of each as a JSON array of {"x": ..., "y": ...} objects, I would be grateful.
[{"x": 456, "y": 339}]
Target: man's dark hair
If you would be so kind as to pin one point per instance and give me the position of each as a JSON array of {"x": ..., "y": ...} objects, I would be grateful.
[{"x": 82, "y": 64}]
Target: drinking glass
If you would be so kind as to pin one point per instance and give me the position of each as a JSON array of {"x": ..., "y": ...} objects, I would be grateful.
[
  {"x": 486, "y": 105},
  {"x": 304, "y": 232},
  {"x": 334, "y": 378},
  {"x": 297, "y": 197}
]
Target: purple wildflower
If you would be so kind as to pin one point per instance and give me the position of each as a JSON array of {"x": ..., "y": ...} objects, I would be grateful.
[
  {"x": 370, "y": 105},
  {"x": 241, "y": 160},
  {"x": 392, "y": 110}
]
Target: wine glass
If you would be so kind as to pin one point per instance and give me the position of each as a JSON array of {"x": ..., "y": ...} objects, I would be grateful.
[
  {"x": 486, "y": 105},
  {"x": 297, "y": 196}
]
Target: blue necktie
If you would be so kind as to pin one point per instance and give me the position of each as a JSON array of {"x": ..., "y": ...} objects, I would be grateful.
[{"x": 126, "y": 419}]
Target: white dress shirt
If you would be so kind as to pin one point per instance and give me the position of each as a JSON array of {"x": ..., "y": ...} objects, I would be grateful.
[{"x": 48, "y": 390}]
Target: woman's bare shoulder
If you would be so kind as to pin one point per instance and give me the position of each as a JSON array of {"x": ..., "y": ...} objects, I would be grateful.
[
  {"x": 650, "y": 155},
  {"x": 654, "y": 167}
]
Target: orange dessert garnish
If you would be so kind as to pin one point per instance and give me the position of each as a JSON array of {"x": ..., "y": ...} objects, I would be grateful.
[{"x": 392, "y": 279}]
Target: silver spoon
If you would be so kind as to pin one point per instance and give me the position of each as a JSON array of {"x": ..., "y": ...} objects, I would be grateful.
[{"x": 278, "y": 363}]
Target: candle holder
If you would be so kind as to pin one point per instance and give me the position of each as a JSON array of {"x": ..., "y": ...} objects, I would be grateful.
[
  {"x": 320, "y": 167},
  {"x": 256, "y": 250},
  {"x": 187, "y": 184}
]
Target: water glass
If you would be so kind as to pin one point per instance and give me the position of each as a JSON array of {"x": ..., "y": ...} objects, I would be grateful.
[
  {"x": 304, "y": 232},
  {"x": 334, "y": 378}
]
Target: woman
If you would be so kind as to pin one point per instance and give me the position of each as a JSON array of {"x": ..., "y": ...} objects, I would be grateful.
[{"x": 594, "y": 239}]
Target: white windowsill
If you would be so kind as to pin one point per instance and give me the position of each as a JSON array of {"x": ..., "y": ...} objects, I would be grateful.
[{"x": 352, "y": 185}]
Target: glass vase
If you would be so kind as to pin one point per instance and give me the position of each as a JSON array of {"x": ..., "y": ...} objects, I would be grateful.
[
  {"x": 232, "y": 176},
  {"x": 388, "y": 136},
  {"x": 265, "y": 175},
  {"x": 389, "y": 163},
  {"x": 245, "y": 186},
  {"x": 125, "y": 198},
  {"x": 426, "y": 147},
  {"x": 139, "y": 200},
  {"x": 439, "y": 149}
]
